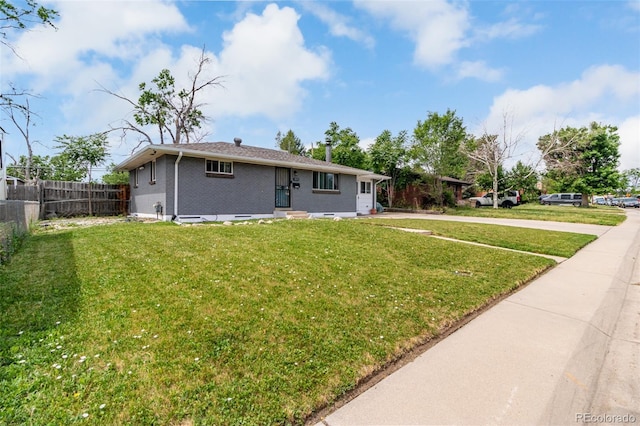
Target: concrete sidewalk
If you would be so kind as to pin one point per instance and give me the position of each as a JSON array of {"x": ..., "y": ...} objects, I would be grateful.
[{"x": 564, "y": 349}]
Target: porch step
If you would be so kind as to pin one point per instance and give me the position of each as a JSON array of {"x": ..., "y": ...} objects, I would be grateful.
[{"x": 297, "y": 214}]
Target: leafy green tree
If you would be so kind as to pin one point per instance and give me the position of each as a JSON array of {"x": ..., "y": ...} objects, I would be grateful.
[
  {"x": 175, "y": 114},
  {"x": 589, "y": 161},
  {"x": 58, "y": 167},
  {"x": 484, "y": 180},
  {"x": 345, "y": 148},
  {"x": 114, "y": 177},
  {"x": 65, "y": 169},
  {"x": 14, "y": 103},
  {"x": 23, "y": 17},
  {"x": 436, "y": 147},
  {"x": 85, "y": 151},
  {"x": 632, "y": 180},
  {"x": 290, "y": 143},
  {"x": 388, "y": 155},
  {"x": 524, "y": 178}
]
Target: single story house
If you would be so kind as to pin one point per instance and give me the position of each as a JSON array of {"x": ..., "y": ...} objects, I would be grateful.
[{"x": 222, "y": 181}]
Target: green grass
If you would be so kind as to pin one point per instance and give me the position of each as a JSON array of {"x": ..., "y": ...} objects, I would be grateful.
[
  {"x": 256, "y": 324},
  {"x": 594, "y": 215},
  {"x": 555, "y": 243}
]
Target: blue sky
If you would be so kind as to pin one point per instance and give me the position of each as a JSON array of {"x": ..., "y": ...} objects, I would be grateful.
[{"x": 367, "y": 65}]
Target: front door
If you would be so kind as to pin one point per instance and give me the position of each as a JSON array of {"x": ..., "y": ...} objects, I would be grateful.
[
  {"x": 365, "y": 197},
  {"x": 283, "y": 194}
]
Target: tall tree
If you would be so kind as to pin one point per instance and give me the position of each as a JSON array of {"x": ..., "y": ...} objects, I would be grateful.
[
  {"x": 388, "y": 155},
  {"x": 345, "y": 148},
  {"x": 588, "y": 162},
  {"x": 633, "y": 179},
  {"x": 436, "y": 147},
  {"x": 524, "y": 178},
  {"x": 58, "y": 167},
  {"x": 87, "y": 151},
  {"x": 15, "y": 103},
  {"x": 490, "y": 151},
  {"x": 17, "y": 108},
  {"x": 22, "y": 18},
  {"x": 114, "y": 177},
  {"x": 175, "y": 114},
  {"x": 290, "y": 143}
]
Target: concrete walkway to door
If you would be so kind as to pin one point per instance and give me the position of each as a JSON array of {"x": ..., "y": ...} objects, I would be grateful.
[{"x": 564, "y": 349}]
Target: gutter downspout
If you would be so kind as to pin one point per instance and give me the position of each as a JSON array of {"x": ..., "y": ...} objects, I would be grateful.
[{"x": 175, "y": 185}]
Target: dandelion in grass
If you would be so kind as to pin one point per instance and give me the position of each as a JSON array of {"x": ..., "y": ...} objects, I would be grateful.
[
  {"x": 102, "y": 406},
  {"x": 197, "y": 359},
  {"x": 20, "y": 333},
  {"x": 85, "y": 415}
]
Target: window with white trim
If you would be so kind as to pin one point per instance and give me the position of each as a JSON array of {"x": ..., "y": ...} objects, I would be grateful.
[
  {"x": 217, "y": 167},
  {"x": 135, "y": 177},
  {"x": 365, "y": 187},
  {"x": 325, "y": 181}
]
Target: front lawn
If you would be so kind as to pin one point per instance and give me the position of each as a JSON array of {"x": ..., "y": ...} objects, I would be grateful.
[
  {"x": 594, "y": 215},
  {"x": 555, "y": 243},
  {"x": 255, "y": 324}
]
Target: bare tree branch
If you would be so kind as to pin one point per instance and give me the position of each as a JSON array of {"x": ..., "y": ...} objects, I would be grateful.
[{"x": 177, "y": 116}]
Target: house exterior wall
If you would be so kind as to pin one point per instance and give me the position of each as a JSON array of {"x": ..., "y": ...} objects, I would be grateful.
[
  {"x": 306, "y": 199},
  {"x": 250, "y": 191},
  {"x": 146, "y": 193}
]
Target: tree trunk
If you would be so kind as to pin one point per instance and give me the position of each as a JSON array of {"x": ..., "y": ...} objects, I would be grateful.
[{"x": 495, "y": 190}]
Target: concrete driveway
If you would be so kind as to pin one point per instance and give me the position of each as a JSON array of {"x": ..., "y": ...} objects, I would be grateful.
[{"x": 563, "y": 350}]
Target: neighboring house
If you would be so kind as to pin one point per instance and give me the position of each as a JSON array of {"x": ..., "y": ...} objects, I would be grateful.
[
  {"x": 422, "y": 195},
  {"x": 456, "y": 185},
  {"x": 222, "y": 181}
]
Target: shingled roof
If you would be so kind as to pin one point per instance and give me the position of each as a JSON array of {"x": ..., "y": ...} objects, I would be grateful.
[{"x": 240, "y": 153}]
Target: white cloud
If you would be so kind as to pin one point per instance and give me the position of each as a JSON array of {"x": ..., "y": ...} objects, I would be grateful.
[
  {"x": 88, "y": 34},
  {"x": 629, "y": 132},
  {"x": 438, "y": 28},
  {"x": 606, "y": 94},
  {"x": 265, "y": 63},
  {"x": 479, "y": 70},
  {"x": 511, "y": 29},
  {"x": 338, "y": 24}
]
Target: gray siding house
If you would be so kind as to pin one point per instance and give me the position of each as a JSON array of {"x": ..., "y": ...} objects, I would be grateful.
[{"x": 222, "y": 181}]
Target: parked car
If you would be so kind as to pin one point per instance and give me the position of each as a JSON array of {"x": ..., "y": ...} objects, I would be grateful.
[
  {"x": 507, "y": 199},
  {"x": 563, "y": 198},
  {"x": 629, "y": 202}
]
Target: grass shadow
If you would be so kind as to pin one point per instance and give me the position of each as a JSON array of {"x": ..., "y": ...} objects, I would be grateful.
[{"x": 40, "y": 289}]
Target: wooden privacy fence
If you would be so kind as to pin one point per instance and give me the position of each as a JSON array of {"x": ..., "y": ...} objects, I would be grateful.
[{"x": 67, "y": 199}]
